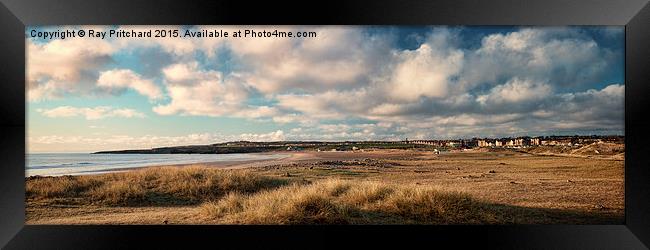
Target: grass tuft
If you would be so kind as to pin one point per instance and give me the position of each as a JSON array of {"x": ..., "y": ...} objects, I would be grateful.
[
  {"x": 345, "y": 202},
  {"x": 152, "y": 186}
]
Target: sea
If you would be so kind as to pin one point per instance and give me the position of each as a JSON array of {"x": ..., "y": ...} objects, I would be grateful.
[{"x": 57, "y": 164}]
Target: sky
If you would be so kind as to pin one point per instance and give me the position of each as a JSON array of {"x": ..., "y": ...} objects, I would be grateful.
[{"x": 347, "y": 83}]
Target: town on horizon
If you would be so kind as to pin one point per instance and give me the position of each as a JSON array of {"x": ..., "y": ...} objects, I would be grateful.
[{"x": 243, "y": 146}]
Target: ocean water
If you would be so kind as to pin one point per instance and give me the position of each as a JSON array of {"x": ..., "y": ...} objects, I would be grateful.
[{"x": 85, "y": 163}]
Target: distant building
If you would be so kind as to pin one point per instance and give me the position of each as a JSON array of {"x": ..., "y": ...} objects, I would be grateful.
[
  {"x": 519, "y": 142},
  {"x": 534, "y": 141},
  {"x": 294, "y": 148},
  {"x": 561, "y": 142}
]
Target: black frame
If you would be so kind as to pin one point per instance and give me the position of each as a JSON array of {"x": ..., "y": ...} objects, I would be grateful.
[{"x": 635, "y": 15}]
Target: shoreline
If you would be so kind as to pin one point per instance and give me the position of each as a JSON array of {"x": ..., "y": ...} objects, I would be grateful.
[
  {"x": 292, "y": 158},
  {"x": 217, "y": 164}
]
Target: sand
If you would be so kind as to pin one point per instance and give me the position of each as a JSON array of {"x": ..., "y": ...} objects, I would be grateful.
[{"x": 537, "y": 181}]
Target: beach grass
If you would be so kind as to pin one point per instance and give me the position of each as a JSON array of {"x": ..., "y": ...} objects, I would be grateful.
[
  {"x": 333, "y": 201},
  {"x": 151, "y": 186},
  {"x": 346, "y": 202}
]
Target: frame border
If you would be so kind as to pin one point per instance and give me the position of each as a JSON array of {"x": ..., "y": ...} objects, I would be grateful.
[{"x": 15, "y": 15}]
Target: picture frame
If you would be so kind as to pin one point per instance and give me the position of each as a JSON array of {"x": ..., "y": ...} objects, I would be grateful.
[{"x": 634, "y": 15}]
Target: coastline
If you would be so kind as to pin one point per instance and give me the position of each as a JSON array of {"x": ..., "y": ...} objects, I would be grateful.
[
  {"x": 215, "y": 163},
  {"x": 310, "y": 157},
  {"x": 227, "y": 164},
  {"x": 292, "y": 158}
]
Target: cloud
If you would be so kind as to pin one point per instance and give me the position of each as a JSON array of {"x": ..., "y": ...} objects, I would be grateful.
[
  {"x": 272, "y": 136},
  {"x": 516, "y": 90},
  {"x": 339, "y": 57},
  {"x": 345, "y": 131},
  {"x": 194, "y": 91},
  {"x": 288, "y": 118},
  {"x": 563, "y": 57},
  {"x": 426, "y": 71},
  {"x": 86, "y": 143},
  {"x": 60, "y": 143},
  {"x": 95, "y": 113},
  {"x": 604, "y": 106},
  {"x": 119, "y": 79},
  {"x": 65, "y": 66}
]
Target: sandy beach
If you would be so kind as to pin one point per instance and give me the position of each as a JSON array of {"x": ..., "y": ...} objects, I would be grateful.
[
  {"x": 541, "y": 188},
  {"x": 293, "y": 157}
]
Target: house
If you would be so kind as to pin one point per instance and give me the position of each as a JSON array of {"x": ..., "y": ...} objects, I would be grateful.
[
  {"x": 534, "y": 141},
  {"x": 519, "y": 142}
]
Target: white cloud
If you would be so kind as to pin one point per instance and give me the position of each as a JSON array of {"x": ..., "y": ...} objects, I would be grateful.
[
  {"x": 194, "y": 91},
  {"x": 184, "y": 72},
  {"x": 288, "y": 118},
  {"x": 59, "y": 143},
  {"x": 337, "y": 57},
  {"x": 64, "y": 66},
  {"x": 387, "y": 109},
  {"x": 516, "y": 90},
  {"x": 118, "y": 79},
  {"x": 271, "y": 136},
  {"x": 95, "y": 113},
  {"x": 426, "y": 72},
  {"x": 197, "y": 92}
]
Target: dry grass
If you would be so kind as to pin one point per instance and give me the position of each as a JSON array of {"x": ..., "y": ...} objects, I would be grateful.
[
  {"x": 154, "y": 186},
  {"x": 345, "y": 202},
  {"x": 508, "y": 177}
]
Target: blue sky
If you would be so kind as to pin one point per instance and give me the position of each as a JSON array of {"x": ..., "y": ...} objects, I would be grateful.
[{"x": 348, "y": 83}]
